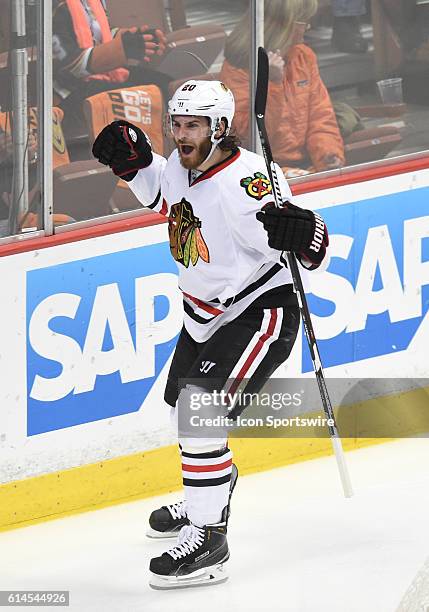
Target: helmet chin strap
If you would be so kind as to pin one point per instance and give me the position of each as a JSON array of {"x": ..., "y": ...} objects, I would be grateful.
[
  {"x": 212, "y": 150},
  {"x": 214, "y": 141}
]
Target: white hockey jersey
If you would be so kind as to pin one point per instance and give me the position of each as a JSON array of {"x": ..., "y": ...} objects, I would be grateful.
[{"x": 221, "y": 249}]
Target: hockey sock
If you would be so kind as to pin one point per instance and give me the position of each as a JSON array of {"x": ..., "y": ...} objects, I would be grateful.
[{"x": 206, "y": 479}]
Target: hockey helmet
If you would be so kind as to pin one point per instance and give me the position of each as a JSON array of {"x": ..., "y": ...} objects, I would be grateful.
[{"x": 210, "y": 99}]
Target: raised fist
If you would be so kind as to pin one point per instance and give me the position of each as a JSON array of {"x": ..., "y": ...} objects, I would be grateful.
[{"x": 124, "y": 147}]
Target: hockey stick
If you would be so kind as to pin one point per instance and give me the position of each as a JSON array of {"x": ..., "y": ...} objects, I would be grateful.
[{"x": 289, "y": 260}]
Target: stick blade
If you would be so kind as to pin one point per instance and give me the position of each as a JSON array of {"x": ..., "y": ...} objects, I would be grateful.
[{"x": 261, "y": 83}]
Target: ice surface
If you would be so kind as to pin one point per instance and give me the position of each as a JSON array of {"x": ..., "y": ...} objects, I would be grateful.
[{"x": 296, "y": 544}]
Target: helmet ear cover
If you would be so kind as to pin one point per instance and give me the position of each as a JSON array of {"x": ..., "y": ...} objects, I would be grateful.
[{"x": 216, "y": 124}]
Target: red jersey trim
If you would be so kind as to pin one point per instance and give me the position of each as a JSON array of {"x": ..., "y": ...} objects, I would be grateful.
[
  {"x": 164, "y": 208},
  {"x": 203, "y": 305},
  {"x": 217, "y": 168}
]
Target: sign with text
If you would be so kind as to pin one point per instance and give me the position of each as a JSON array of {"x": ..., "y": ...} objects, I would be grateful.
[{"x": 99, "y": 332}]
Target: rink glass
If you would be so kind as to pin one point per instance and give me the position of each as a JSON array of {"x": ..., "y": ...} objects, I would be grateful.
[{"x": 83, "y": 192}]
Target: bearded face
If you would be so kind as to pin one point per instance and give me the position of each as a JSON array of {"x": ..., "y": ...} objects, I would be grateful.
[{"x": 192, "y": 138}]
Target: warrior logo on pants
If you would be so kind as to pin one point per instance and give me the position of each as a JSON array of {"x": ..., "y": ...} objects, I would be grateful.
[{"x": 186, "y": 241}]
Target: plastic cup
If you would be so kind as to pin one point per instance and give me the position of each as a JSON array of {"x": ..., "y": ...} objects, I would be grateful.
[{"x": 390, "y": 91}]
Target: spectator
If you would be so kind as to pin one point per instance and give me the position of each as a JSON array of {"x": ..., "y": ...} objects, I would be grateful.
[
  {"x": 89, "y": 57},
  {"x": 346, "y": 34},
  {"x": 300, "y": 118}
]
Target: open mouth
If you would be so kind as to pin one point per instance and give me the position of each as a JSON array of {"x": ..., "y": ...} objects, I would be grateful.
[{"x": 186, "y": 149}]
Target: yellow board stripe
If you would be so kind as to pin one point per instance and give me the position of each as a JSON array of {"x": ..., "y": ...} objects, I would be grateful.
[{"x": 154, "y": 472}]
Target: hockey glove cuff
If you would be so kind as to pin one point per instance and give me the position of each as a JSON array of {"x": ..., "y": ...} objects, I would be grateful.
[
  {"x": 124, "y": 147},
  {"x": 295, "y": 229}
]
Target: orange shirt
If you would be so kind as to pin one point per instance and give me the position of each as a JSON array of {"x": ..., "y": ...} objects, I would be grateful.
[{"x": 300, "y": 119}]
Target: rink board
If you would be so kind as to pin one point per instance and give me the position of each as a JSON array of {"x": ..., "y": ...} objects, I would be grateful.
[{"x": 90, "y": 323}]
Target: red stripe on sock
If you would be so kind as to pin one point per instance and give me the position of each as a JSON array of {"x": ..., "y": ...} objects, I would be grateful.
[{"x": 206, "y": 468}]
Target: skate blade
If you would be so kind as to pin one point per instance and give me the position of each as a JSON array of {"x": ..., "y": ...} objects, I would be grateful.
[
  {"x": 216, "y": 574},
  {"x": 161, "y": 535}
]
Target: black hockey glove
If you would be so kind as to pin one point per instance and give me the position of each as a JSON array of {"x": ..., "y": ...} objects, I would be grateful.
[
  {"x": 124, "y": 147},
  {"x": 295, "y": 229},
  {"x": 143, "y": 43}
]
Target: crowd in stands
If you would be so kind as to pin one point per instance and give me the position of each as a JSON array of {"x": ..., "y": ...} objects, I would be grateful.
[
  {"x": 300, "y": 117},
  {"x": 91, "y": 56}
]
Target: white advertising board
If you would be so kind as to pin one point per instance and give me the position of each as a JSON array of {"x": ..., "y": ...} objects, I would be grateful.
[{"x": 88, "y": 328}]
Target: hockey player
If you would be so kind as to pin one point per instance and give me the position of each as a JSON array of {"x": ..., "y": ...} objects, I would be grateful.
[{"x": 241, "y": 315}]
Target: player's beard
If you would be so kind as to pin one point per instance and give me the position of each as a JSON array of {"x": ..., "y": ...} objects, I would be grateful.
[{"x": 197, "y": 156}]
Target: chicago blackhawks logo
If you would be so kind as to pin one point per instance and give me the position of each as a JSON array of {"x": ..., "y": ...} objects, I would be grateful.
[
  {"x": 186, "y": 241},
  {"x": 257, "y": 186}
]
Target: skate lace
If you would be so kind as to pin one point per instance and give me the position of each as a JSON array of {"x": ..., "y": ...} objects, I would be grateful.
[
  {"x": 190, "y": 538},
  {"x": 177, "y": 510}
]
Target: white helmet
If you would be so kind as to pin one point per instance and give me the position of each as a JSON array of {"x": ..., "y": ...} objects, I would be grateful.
[{"x": 210, "y": 99}]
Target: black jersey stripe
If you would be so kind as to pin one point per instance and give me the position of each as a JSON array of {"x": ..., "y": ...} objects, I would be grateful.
[
  {"x": 190, "y": 312},
  {"x": 268, "y": 275},
  {"x": 155, "y": 202},
  {"x": 247, "y": 291}
]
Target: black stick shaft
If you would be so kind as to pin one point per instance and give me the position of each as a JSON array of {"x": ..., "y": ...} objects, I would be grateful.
[{"x": 290, "y": 261}]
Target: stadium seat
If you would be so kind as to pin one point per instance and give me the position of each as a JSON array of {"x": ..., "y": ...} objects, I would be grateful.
[
  {"x": 141, "y": 105},
  {"x": 189, "y": 49}
]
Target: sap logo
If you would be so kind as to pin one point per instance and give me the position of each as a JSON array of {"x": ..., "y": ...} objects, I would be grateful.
[
  {"x": 80, "y": 367},
  {"x": 375, "y": 292},
  {"x": 353, "y": 304},
  {"x": 99, "y": 333}
]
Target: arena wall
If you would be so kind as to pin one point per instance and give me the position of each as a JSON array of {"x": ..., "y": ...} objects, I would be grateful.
[{"x": 89, "y": 322}]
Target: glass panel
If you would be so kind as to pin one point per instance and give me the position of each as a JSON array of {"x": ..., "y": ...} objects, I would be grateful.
[
  {"x": 98, "y": 79},
  {"x": 19, "y": 194},
  {"x": 229, "y": 16},
  {"x": 325, "y": 107},
  {"x": 332, "y": 101}
]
